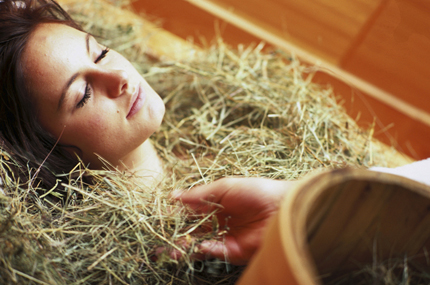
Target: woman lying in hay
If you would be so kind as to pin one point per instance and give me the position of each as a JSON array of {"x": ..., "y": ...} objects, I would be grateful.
[{"x": 88, "y": 167}]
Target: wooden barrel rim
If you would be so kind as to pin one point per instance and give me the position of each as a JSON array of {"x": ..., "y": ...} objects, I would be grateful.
[{"x": 298, "y": 205}]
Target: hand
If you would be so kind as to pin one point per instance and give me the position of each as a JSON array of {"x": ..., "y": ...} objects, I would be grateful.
[{"x": 245, "y": 206}]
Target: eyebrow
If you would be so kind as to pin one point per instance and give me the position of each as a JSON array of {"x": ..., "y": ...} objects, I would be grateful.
[{"x": 74, "y": 76}]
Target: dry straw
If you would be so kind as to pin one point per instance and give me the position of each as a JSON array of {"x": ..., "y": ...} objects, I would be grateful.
[{"x": 229, "y": 112}]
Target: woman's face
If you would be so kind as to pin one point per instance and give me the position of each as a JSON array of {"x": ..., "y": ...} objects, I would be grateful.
[{"x": 87, "y": 96}]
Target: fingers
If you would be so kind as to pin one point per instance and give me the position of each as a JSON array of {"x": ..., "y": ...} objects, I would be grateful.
[
  {"x": 223, "y": 250},
  {"x": 227, "y": 250},
  {"x": 213, "y": 249},
  {"x": 234, "y": 193},
  {"x": 205, "y": 198},
  {"x": 246, "y": 203},
  {"x": 212, "y": 191},
  {"x": 185, "y": 248}
]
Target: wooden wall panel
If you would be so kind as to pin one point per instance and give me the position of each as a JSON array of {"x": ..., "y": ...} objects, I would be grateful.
[
  {"x": 395, "y": 53},
  {"x": 392, "y": 127},
  {"x": 324, "y": 27},
  {"x": 190, "y": 22}
]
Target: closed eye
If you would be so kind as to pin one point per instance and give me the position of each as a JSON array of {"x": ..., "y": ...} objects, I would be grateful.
[
  {"x": 86, "y": 97},
  {"x": 102, "y": 55},
  {"x": 87, "y": 93}
]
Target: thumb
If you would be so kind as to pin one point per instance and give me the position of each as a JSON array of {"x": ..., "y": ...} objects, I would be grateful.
[{"x": 204, "y": 197}]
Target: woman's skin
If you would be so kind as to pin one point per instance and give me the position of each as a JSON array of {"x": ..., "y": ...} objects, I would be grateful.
[
  {"x": 92, "y": 99},
  {"x": 245, "y": 207},
  {"x": 86, "y": 97}
]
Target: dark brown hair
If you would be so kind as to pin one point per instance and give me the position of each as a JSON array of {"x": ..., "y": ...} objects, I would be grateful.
[{"x": 20, "y": 132}]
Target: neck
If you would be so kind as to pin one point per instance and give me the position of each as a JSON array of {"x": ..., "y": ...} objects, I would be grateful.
[{"x": 145, "y": 163}]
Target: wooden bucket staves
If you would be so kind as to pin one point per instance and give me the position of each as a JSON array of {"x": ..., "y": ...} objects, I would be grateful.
[{"x": 337, "y": 222}]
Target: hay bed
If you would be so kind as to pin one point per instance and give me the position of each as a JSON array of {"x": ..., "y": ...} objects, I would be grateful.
[{"x": 229, "y": 112}]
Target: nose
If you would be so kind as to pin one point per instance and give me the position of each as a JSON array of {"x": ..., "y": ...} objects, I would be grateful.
[{"x": 114, "y": 81}]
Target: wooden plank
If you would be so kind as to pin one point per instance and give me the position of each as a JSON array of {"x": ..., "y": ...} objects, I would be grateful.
[
  {"x": 324, "y": 27},
  {"x": 394, "y": 53},
  {"x": 392, "y": 127},
  {"x": 190, "y": 22}
]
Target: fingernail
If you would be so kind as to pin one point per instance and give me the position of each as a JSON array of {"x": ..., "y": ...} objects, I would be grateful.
[
  {"x": 206, "y": 244},
  {"x": 176, "y": 194}
]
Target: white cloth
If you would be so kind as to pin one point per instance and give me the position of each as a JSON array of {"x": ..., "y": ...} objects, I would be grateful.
[{"x": 419, "y": 171}]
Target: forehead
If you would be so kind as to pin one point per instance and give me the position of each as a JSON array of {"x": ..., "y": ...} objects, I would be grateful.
[
  {"x": 52, "y": 55},
  {"x": 50, "y": 41}
]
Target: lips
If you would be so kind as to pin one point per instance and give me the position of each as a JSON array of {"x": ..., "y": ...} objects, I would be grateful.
[{"x": 137, "y": 102}]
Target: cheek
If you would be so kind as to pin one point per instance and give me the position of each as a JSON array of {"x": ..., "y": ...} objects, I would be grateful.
[{"x": 87, "y": 131}]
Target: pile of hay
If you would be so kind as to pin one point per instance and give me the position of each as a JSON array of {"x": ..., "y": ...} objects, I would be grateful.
[{"x": 229, "y": 112}]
